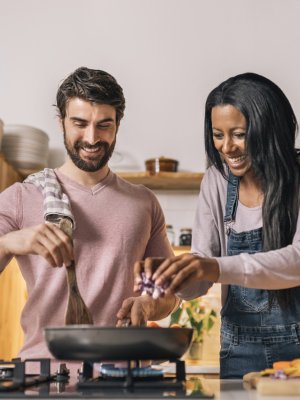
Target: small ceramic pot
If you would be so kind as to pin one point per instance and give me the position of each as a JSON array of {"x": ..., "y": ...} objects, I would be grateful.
[{"x": 158, "y": 164}]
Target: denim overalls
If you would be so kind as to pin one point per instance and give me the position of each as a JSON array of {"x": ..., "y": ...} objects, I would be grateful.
[{"x": 253, "y": 335}]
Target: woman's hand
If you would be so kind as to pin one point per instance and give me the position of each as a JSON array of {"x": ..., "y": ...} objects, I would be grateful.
[
  {"x": 148, "y": 267},
  {"x": 176, "y": 273}
]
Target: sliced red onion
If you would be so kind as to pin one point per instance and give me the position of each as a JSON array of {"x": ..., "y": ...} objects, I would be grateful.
[{"x": 148, "y": 286}]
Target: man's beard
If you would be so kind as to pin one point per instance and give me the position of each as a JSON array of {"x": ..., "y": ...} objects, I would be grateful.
[{"x": 94, "y": 163}]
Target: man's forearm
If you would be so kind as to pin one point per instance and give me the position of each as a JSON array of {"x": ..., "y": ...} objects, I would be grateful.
[{"x": 164, "y": 306}]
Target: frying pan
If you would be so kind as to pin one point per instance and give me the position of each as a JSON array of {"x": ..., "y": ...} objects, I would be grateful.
[{"x": 91, "y": 343}]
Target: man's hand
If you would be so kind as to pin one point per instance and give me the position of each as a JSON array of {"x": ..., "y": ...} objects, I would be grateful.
[
  {"x": 177, "y": 273},
  {"x": 138, "y": 310},
  {"x": 46, "y": 240},
  {"x": 135, "y": 311}
]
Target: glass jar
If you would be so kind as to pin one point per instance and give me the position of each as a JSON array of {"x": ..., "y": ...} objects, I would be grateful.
[
  {"x": 185, "y": 237},
  {"x": 170, "y": 234}
]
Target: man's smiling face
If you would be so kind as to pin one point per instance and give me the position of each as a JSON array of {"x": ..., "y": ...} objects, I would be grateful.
[{"x": 89, "y": 133}]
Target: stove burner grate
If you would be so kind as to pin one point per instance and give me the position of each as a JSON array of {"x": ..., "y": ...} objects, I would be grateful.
[
  {"x": 13, "y": 376},
  {"x": 130, "y": 378},
  {"x": 61, "y": 385}
]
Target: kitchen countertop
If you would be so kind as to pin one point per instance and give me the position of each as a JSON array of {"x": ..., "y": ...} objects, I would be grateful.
[
  {"x": 205, "y": 381},
  {"x": 192, "y": 367},
  {"x": 232, "y": 389},
  {"x": 229, "y": 389}
]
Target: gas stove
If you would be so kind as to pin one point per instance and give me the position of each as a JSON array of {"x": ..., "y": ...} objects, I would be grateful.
[{"x": 110, "y": 382}]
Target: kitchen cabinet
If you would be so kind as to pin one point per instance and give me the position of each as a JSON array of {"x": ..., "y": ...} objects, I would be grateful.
[
  {"x": 13, "y": 296},
  {"x": 13, "y": 292},
  {"x": 8, "y": 175}
]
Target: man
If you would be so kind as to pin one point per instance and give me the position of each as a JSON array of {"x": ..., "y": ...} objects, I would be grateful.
[{"x": 117, "y": 223}]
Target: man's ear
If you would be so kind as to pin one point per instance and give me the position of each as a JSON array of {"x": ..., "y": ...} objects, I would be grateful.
[{"x": 61, "y": 123}]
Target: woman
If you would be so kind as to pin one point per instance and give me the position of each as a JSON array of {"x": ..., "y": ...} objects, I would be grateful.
[{"x": 246, "y": 234}]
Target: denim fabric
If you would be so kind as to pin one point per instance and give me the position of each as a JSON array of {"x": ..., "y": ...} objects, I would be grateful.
[{"x": 254, "y": 334}]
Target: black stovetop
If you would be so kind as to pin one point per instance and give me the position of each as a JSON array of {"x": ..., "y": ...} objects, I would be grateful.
[{"x": 15, "y": 383}]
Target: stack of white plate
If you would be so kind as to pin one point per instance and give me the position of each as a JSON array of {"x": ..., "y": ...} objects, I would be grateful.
[{"x": 25, "y": 147}]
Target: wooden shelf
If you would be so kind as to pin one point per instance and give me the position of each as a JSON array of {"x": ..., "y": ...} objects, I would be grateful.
[
  {"x": 165, "y": 180},
  {"x": 159, "y": 181}
]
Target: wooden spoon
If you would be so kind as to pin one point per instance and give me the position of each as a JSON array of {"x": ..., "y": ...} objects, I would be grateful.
[{"x": 77, "y": 312}]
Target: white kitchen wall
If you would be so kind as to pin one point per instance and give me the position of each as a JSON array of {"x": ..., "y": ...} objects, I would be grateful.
[{"x": 167, "y": 55}]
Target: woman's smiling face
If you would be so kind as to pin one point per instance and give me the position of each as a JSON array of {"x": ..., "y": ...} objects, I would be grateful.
[{"x": 229, "y": 128}]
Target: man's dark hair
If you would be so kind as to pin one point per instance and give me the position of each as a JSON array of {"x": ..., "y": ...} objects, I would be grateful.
[{"x": 91, "y": 85}]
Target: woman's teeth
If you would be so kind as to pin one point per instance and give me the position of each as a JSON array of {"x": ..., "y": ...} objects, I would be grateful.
[{"x": 236, "y": 160}]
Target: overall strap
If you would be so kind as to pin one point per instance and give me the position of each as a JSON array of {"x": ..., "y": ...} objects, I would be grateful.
[{"x": 231, "y": 201}]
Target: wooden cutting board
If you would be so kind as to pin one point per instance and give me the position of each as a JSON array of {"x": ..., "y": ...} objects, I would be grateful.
[{"x": 270, "y": 386}]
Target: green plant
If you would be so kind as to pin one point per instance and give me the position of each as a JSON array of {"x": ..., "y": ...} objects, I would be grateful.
[{"x": 196, "y": 314}]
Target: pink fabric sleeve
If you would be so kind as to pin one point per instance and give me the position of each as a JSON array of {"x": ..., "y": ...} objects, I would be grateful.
[
  {"x": 158, "y": 244},
  {"x": 10, "y": 209}
]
